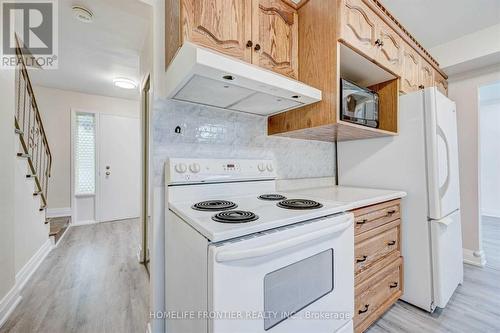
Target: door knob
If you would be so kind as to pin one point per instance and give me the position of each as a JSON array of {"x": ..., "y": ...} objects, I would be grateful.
[
  {"x": 108, "y": 173},
  {"x": 249, "y": 43},
  {"x": 257, "y": 47}
]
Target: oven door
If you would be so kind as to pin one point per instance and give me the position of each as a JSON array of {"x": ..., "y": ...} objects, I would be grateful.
[{"x": 294, "y": 279}]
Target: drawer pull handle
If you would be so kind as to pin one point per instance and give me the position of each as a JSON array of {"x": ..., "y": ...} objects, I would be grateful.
[
  {"x": 391, "y": 212},
  {"x": 391, "y": 243},
  {"x": 365, "y": 309},
  {"x": 393, "y": 285},
  {"x": 362, "y": 259},
  {"x": 362, "y": 222}
]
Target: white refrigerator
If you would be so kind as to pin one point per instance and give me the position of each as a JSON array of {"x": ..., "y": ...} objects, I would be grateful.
[{"x": 423, "y": 161}]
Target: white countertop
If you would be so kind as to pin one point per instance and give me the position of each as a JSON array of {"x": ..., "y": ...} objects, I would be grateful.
[{"x": 351, "y": 197}]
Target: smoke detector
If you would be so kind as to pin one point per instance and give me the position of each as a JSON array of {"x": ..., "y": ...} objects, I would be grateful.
[{"x": 83, "y": 14}]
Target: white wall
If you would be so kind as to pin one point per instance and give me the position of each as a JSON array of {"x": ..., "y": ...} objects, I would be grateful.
[
  {"x": 31, "y": 232},
  {"x": 55, "y": 107},
  {"x": 7, "y": 187},
  {"x": 490, "y": 149},
  {"x": 464, "y": 90},
  {"x": 470, "y": 52}
]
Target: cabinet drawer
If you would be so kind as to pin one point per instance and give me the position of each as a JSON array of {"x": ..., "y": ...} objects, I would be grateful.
[
  {"x": 376, "y": 244},
  {"x": 375, "y": 295},
  {"x": 374, "y": 216}
]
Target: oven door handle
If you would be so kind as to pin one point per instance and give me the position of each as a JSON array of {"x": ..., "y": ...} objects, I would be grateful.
[{"x": 232, "y": 255}]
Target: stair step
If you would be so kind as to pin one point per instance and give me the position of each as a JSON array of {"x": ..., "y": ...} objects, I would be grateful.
[
  {"x": 18, "y": 131},
  {"x": 24, "y": 155}
]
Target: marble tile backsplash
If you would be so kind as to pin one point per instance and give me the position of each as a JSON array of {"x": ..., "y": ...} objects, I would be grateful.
[{"x": 208, "y": 132}]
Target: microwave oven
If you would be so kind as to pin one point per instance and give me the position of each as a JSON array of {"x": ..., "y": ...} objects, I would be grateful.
[{"x": 358, "y": 105}]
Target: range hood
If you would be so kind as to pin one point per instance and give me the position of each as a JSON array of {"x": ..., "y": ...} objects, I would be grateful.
[{"x": 199, "y": 75}]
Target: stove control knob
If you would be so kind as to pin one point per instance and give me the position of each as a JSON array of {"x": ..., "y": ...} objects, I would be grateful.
[
  {"x": 180, "y": 168},
  {"x": 270, "y": 167},
  {"x": 261, "y": 167},
  {"x": 194, "y": 168}
]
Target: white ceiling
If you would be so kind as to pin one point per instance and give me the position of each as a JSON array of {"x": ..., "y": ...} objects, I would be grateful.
[
  {"x": 91, "y": 55},
  {"x": 434, "y": 22}
]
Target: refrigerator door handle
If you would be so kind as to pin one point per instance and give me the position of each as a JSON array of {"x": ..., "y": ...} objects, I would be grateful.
[{"x": 443, "y": 189}]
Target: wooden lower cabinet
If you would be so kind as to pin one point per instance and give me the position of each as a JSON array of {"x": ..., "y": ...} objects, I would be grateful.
[{"x": 378, "y": 261}]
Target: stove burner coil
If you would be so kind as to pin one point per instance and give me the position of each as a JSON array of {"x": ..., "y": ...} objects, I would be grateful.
[
  {"x": 234, "y": 216},
  {"x": 301, "y": 204},
  {"x": 213, "y": 205},
  {"x": 272, "y": 197}
]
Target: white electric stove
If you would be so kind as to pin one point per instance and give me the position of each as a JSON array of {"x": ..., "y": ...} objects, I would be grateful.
[{"x": 243, "y": 257}]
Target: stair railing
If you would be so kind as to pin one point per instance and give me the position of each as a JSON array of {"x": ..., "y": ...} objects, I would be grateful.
[{"x": 29, "y": 127}]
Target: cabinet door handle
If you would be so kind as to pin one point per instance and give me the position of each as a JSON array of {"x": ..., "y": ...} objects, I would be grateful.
[
  {"x": 393, "y": 285},
  {"x": 249, "y": 43},
  {"x": 378, "y": 42},
  {"x": 391, "y": 243},
  {"x": 389, "y": 213},
  {"x": 365, "y": 309},
  {"x": 363, "y": 221},
  {"x": 421, "y": 86},
  {"x": 257, "y": 47},
  {"x": 362, "y": 259}
]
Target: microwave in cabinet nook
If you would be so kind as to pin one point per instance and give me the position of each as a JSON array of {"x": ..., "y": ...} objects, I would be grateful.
[{"x": 358, "y": 105}]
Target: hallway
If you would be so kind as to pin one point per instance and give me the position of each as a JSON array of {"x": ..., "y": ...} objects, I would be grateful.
[{"x": 92, "y": 282}]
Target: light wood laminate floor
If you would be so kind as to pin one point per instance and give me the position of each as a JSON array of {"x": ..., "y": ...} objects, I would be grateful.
[
  {"x": 474, "y": 308},
  {"x": 92, "y": 282}
]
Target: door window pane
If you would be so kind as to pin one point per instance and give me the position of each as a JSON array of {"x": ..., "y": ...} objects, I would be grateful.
[{"x": 85, "y": 154}]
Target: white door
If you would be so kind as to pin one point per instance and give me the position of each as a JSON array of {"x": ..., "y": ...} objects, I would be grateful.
[
  {"x": 441, "y": 118},
  {"x": 282, "y": 276},
  {"x": 119, "y": 168}
]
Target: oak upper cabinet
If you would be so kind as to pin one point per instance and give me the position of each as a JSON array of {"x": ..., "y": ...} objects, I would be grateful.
[
  {"x": 390, "y": 48},
  {"x": 222, "y": 25},
  {"x": 410, "y": 78},
  {"x": 426, "y": 75},
  {"x": 359, "y": 27},
  {"x": 275, "y": 37},
  {"x": 262, "y": 32},
  {"x": 441, "y": 83}
]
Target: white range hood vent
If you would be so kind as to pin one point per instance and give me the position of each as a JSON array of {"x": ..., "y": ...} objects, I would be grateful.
[{"x": 201, "y": 76}]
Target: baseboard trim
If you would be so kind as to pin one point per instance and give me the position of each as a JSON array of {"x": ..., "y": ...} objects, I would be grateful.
[
  {"x": 475, "y": 258},
  {"x": 59, "y": 212},
  {"x": 80, "y": 223},
  {"x": 9, "y": 303},
  {"x": 31, "y": 266},
  {"x": 491, "y": 213}
]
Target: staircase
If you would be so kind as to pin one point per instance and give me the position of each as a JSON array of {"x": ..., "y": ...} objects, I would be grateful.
[{"x": 34, "y": 147}]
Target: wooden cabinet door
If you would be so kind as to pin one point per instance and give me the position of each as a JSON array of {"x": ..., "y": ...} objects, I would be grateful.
[
  {"x": 390, "y": 49},
  {"x": 411, "y": 70},
  {"x": 359, "y": 27},
  {"x": 222, "y": 25},
  {"x": 275, "y": 37},
  {"x": 441, "y": 83},
  {"x": 426, "y": 75}
]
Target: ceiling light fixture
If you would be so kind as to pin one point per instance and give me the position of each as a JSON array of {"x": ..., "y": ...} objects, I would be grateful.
[
  {"x": 125, "y": 83},
  {"x": 83, "y": 14}
]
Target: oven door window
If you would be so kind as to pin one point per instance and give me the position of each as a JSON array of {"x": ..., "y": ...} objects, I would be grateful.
[{"x": 292, "y": 288}]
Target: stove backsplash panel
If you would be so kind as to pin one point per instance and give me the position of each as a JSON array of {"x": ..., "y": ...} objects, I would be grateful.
[{"x": 188, "y": 130}]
